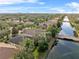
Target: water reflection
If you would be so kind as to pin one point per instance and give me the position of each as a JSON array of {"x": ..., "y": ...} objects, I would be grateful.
[
  {"x": 66, "y": 28},
  {"x": 65, "y": 49}
]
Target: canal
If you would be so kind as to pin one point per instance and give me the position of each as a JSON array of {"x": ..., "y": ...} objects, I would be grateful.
[{"x": 65, "y": 49}]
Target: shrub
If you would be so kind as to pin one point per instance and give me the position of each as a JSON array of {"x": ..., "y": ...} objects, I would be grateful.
[
  {"x": 28, "y": 44},
  {"x": 43, "y": 46},
  {"x": 54, "y": 31},
  {"x": 14, "y": 31},
  {"x": 42, "y": 43},
  {"x": 24, "y": 55},
  {"x": 59, "y": 24},
  {"x": 27, "y": 51}
]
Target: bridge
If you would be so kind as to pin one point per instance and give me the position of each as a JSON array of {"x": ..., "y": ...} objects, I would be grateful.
[
  {"x": 69, "y": 38},
  {"x": 65, "y": 21}
]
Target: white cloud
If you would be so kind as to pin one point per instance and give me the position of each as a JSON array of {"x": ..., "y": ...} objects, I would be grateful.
[
  {"x": 50, "y": 10},
  {"x": 32, "y": 10},
  {"x": 41, "y": 3},
  {"x": 9, "y": 11},
  {"x": 62, "y": 10},
  {"x": 57, "y": 10},
  {"x": 74, "y": 6},
  {"x": 20, "y": 1},
  {"x": 32, "y": 1},
  {"x": 10, "y": 1},
  {"x": 13, "y": 9}
]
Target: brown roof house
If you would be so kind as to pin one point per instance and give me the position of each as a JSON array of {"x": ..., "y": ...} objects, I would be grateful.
[
  {"x": 48, "y": 23},
  {"x": 31, "y": 32}
]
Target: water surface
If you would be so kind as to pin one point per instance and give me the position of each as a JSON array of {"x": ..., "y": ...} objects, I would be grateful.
[{"x": 65, "y": 49}]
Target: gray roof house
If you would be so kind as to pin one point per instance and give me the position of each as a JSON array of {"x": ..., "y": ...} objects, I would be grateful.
[{"x": 26, "y": 33}]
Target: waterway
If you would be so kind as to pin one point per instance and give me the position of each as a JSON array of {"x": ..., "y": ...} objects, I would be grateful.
[{"x": 65, "y": 49}]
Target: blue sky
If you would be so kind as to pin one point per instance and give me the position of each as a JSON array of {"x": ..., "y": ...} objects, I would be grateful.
[{"x": 39, "y": 6}]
